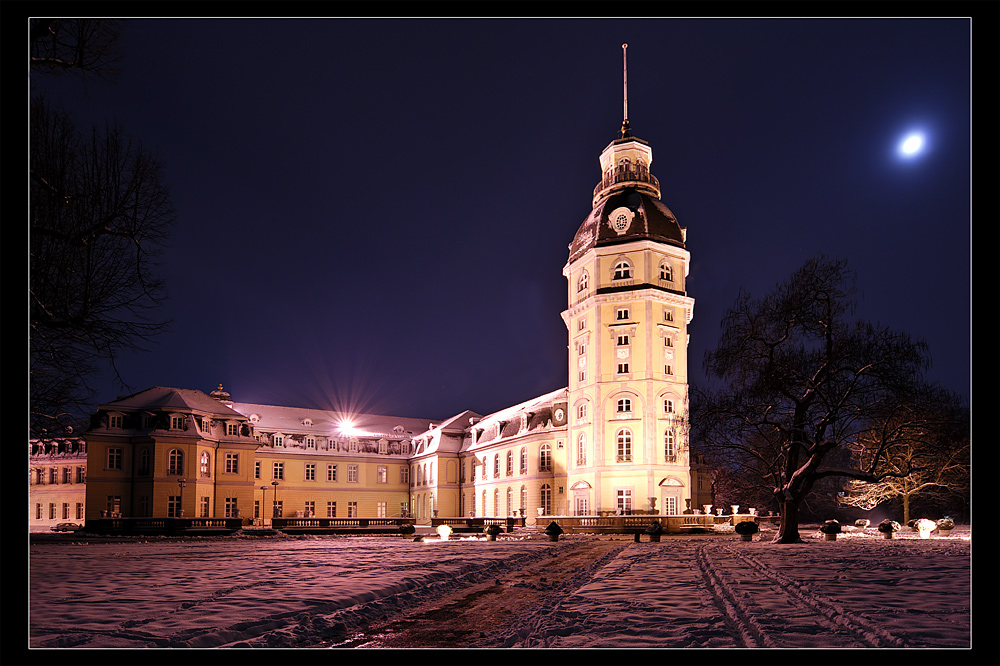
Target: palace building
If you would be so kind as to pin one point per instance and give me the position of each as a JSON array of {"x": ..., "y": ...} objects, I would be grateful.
[{"x": 614, "y": 440}]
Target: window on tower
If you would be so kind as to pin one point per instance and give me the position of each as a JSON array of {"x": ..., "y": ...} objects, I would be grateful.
[
  {"x": 623, "y": 270},
  {"x": 583, "y": 283},
  {"x": 622, "y": 314},
  {"x": 666, "y": 272},
  {"x": 624, "y": 405}
]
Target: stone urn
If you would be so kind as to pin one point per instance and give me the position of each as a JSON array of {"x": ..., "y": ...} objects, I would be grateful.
[{"x": 553, "y": 531}]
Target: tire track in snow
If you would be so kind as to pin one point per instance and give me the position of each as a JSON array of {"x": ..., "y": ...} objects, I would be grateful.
[
  {"x": 828, "y": 611},
  {"x": 747, "y": 628}
]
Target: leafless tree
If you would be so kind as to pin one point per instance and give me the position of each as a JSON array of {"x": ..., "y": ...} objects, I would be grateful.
[
  {"x": 800, "y": 382},
  {"x": 79, "y": 44},
  {"x": 98, "y": 215},
  {"x": 929, "y": 437}
]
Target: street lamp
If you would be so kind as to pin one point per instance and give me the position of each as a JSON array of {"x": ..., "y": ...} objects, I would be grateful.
[
  {"x": 275, "y": 510},
  {"x": 180, "y": 510},
  {"x": 263, "y": 507}
]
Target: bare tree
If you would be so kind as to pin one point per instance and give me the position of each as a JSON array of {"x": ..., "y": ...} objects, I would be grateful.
[
  {"x": 79, "y": 44},
  {"x": 99, "y": 213},
  {"x": 801, "y": 381},
  {"x": 929, "y": 437}
]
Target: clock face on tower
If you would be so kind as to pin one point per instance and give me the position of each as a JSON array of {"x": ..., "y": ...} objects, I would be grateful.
[{"x": 559, "y": 415}]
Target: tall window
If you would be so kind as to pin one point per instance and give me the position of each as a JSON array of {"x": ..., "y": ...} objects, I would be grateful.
[
  {"x": 232, "y": 463},
  {"x": 310, "y": 472},
  {"x": 666, "y": 272},
  {"x": 624, "y": 442},
  {"x": 623, "y": 270},
  {"x": 232, "y": 511},
  {"x": 175, "y": 462},
  {"x": 382, "y": 474},
  {"x": 484, "y": 469},
  {"x": 381, "y": 509},
  {"x": 524, "y": 460},
  {"x": 669, "y": 506},
  {"x": 278, "y": 470},
  {"x": 524, "y": 500},
  {"x": 496, "y": 465},
  {"x": 545, "y": 458},
  {"x": 581, "y": 449},
  {"x": 510, "y": 463},
  {"x": 404, "y": 474},
  {"x": 584, "y": 283},
  {"x": 173, "y": 506},
  {"x": 331, "y": 509},
  {"x": 114, "y": 457},
  {"x": 496, "y": 502},
  {"x": 669, "y": 447},
  {"x": 203, "y": 507},
  {"x": 256, "y": 469},
  {"x": 309, "y": 509},
  {"x": 545, "y": 500},
  {"x": 581, "y": 412},
  {"x": 352, "y": 473},
  {"x": 668, "y": 406},
  {"x": 204, "y": 464},
  {"x": 352, "y": 509},
  {"x": 331, "y": 472},
  {"x": 144, "y": 458}
]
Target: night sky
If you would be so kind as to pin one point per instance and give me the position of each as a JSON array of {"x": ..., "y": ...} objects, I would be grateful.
[{"x": 375, "y": 214}]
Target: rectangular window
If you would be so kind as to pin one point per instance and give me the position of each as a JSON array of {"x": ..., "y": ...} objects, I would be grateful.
[
  {"x": 622, "y": 314},
  {"x": 582, "y": 376},
  {"x": 668, "y": 370},
  {"x": 382, "y": 474},
  {"x": 231, "y": 509},
  {"x": 144, "y": 509},
  {"x": 54, "y": 475},
  {"x": 203, "y": 507},
  {"x": 114, "y": 457},
  {"x": 67, "y": 475},
  {"x": 331, "y": 509},
  {"x": 622, "y": 340},
  {"x": 233, "y": 429},
  {"x": 581, "y": 349},
  {"x": 352, "y": 473},
  {"x": 177, "y": 422},
  {"x": 668, "y": 341},
  {"x": 309, "y": 509},
  {"x": 310, "y": 442},
  {"x": 624, "y": 501},
  {"x": 65, "y": 513},
  {"x": 256, "y": 509},
  {"x": 670, "y": 506},
  {"x": 331, "y": 472},
  {"x": 81, "y": 474},
  {"x": 352, "y": 509},
  {"x": 623, "y": 368},
  {"x": 38, "y": 511},
  {"x": 277, "y": 509},
  {"x": 580, "y": 325},
  {"x": 52, "y": 511},
  {"x": 668, "y": 315},
  {"x": 173, "y": 506},
  {"x": 116, "y": 422},
  {"x": 256, "y": 469},
  {"x": 79, "y": 510},
  {"x": 232, "y": 463},
  {"x": 381, "y": 510},
  {"x": 278, "y": 470},
  {"x": 310, "y": 471},
  {"x": 404, "y": 474}
]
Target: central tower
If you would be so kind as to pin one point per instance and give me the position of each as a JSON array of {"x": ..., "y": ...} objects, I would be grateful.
[{"x": 627, "y": 318}]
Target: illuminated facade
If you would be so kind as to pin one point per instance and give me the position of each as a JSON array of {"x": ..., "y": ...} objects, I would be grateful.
[
  {"x": 615, "y": 440},
  {"x": 57, "y": 476}
]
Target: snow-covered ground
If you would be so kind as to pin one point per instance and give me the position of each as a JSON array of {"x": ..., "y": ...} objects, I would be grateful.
[{"x": 686, "y": 591}]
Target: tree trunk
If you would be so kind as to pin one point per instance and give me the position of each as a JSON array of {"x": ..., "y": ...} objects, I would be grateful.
[
  {"x": 788, "y": 530},
  {"x": 906, "y": 508}
]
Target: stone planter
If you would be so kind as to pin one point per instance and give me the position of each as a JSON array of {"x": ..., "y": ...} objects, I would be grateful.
[
  {"x": 886, "y": 535},
  {"x": 829, "y": 537},
  {"x": 746, "y": 537},
  {"x": 943, "y": 532}
]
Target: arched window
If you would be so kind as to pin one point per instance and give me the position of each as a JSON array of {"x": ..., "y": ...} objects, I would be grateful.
[
  {"x": 624, "y": 441},
  {"x": 496, "y": 465},
  {"x": 484, "y": 502},
  {"x": 581, "y": 412},
  {"x": 510, "y": 500},
  {"x": 624, "y": 405},
  {"x": 484, "y": 473},
  {"x": 583, "y": 283},
  {"x": 510, "y": 463},
  {"x": 581, "y": 449},
  {"x": 666, "y": 272},
  {"x": 545, "y": 458},
  {"x": 496, "y": 501},
  {"x": 175, "y": 462},
  {"x": 545, "y": 500},
  {"x": 524, "y": 460},
  {"x": 623, "y": 270},
  {"x": 668, "y": 406},
  {"x": 204, "y": 464},
  {"x": 524, "y": 500},
  {"x": 669, "y": 446}
]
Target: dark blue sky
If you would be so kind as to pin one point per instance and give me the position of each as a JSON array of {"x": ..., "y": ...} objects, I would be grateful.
[{"x": 377, "y": 212}]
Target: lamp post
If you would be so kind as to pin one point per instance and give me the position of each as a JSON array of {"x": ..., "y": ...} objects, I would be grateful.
[
  {"x": 275, "y": 510},
  {"x": 180, "y": 510},
  {"x": 263, "y": 507}
]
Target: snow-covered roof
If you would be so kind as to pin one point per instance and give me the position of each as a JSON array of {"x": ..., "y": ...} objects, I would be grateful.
[
  {"x": 507, "y": 422},
  {"x": 165, "y": 398},
  {"x": 331, "y": 423}
]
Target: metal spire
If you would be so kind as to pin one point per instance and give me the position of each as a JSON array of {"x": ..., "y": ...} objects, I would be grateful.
[{"x": 626, "y": 132}]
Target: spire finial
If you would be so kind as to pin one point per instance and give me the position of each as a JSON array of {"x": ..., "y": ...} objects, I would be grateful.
[{"x": 625, "y": 128}]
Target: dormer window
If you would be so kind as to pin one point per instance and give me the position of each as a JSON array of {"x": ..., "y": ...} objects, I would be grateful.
[
  {"x": 310, "y": 442},
  {"x": 115, "y": 421},
  {"x": 233, "y": 429},
  {"x": 307, "y": 422},
  {"x": 277, "y": 440},
  {"x": 177, "y": 422}
]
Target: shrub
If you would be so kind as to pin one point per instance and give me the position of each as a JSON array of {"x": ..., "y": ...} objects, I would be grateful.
[
  {"x": 830, "y": 527},
  {"x": 862, "y": 523},
  {"x": 407, "y": 528},
  {"x": 889, "y": 526},
  {"x": 946, "y": 523},
  {"x": 654, "y": 527},
  {"x": 492, "y": 530},
  {"x": 747, "y": 527}
]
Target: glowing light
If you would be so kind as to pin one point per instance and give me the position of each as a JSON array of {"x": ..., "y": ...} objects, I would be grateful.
[{"x": 912, "y": 145}]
